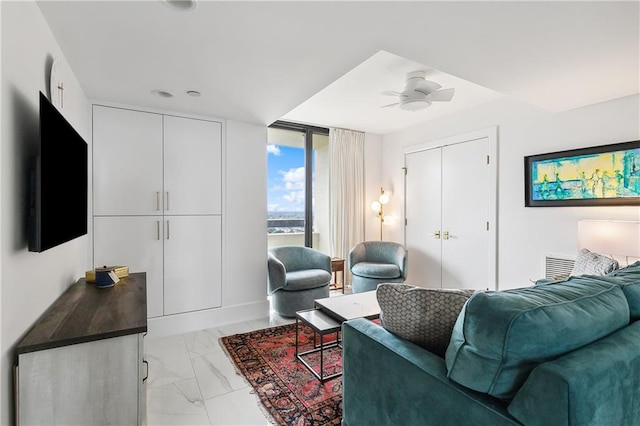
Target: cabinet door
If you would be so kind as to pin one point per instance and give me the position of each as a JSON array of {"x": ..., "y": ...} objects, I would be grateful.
[
  {"x": 465, "y": 203},
  {"x": 192, "y": 268},
  {"x": 127, "y": 162},
  {"x": 91, "y": 383},
  {"x": 192, "y": 166},
  {"x": 134, "y": 241},
  {"x": 423, "y": 213}
]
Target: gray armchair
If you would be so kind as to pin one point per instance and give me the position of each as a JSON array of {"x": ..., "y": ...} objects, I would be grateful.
[
  {"x": 296, "y": 277},
  {"x": 375, "y": 262}
]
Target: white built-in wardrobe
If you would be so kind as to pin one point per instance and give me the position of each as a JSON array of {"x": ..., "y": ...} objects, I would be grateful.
[
  {"x": 157, "y": 204},
  {"x": 450, "y": 211}
]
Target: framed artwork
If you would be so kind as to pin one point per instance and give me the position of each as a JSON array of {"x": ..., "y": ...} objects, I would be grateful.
[{"x": 607, "y": 175}]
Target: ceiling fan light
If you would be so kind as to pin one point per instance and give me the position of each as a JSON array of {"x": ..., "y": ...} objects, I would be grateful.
[{"x": 415, "y": 105}]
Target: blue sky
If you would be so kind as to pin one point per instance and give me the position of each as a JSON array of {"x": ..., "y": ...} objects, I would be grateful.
[{"x": 285, "y": 179}]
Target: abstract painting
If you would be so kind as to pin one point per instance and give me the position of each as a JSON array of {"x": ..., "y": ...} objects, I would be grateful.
[{"x": 595, "y": 176}]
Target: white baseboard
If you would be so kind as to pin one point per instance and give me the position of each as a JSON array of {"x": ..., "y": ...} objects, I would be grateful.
[{"x": 200, "y": 320}]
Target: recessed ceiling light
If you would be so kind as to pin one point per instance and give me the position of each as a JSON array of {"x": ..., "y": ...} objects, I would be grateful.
[
  {"x": 193, "y": 93},
  {"x": 162, "y": 93},
  {"x": 181, "y": 5}
]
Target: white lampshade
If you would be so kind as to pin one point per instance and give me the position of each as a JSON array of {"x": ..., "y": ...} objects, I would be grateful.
[
  {"x": 376, "y": 206},
  {"x": 383, "y": 199},
  {"x": 610, "y": 237}
]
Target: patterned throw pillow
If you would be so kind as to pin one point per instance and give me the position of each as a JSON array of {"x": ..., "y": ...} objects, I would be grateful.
[
  {"x": 590, "y": 263},
  {"x": 424, "y": 316}
]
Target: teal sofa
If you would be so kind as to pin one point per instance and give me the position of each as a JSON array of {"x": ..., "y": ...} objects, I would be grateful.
[{"x": 559, "y": 353}]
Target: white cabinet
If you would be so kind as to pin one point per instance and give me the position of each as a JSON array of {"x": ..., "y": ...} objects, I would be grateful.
[
  {"x": 448, "y": 230},
  {"x": 87, "y": 383},
  {"x": 193, "y": 253},
  {"x": 127, "y": 162},
  {"x": 136, "y": 241},
  {"x": 152, "y": 164},
  {"x": 82, "y": 361},
  {"x": 158, "y": 204},
  {"x": 192, "y": 166}
]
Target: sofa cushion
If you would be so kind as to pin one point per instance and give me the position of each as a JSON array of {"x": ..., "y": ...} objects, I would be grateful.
[
  {"x": 628, "y": 278},
  {"x": 376, "y": 270},
  {"x": 501, "y": 336},
  {"x": 306, "y": 279},
  {"x": 424, "y": 316},
  {"x": 590, "y": 263}
]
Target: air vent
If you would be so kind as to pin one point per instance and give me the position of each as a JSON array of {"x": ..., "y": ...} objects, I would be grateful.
[{"x": 558, "y": 266}]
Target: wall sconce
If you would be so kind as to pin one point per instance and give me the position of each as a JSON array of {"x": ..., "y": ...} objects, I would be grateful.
[
  {"x": 378, "y": 207},
  {"x": 610, "y": 237}
]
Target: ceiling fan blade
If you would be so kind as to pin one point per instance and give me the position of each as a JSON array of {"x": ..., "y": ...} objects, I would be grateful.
[
  {"x": 426, "y": 86},
  {"x": 392, "y": 93},
  {"x": 390, "y": 105},
  {"x": 444, "y": 95}
]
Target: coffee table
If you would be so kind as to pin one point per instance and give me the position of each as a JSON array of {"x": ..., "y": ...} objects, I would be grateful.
[
  {"x": 327, "y": 318},
  {"x": 350, "y": 306}
]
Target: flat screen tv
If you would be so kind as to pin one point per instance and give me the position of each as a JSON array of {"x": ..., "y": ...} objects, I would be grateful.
[{"x": 59, "y": 182}]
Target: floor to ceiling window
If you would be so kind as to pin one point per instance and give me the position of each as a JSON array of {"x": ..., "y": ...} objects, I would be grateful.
[{"x": 298, "y": 185}]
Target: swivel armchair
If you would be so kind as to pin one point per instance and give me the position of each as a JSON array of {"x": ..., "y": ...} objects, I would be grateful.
[
  {"x": 296, "y": 277},
  {"x": 375, "y": 262}
]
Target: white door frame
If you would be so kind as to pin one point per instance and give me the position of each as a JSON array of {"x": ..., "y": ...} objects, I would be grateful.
[{"x": 491, "y": 133}]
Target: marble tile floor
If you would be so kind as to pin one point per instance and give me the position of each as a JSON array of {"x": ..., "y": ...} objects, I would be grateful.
[{"x": 192, "y": 381}]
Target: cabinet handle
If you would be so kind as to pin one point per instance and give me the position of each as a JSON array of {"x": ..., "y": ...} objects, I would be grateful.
[
  {"x": 158, "y": 229},
  {"x": 146, "y": 363},
  {"x": 157, "y": 200},
  {"x": 168, "y": 203},
  {"x": 168, "y": 233}
]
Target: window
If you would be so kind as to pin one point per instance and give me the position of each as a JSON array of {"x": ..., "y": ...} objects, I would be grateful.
[{"x": 298, "y": 185}]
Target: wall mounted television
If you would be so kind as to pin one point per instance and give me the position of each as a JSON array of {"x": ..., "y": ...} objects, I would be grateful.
[{"x": 58, "y": 202}]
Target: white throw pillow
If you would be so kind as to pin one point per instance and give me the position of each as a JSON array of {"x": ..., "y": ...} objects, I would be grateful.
[{"x": 590, "y": 263}]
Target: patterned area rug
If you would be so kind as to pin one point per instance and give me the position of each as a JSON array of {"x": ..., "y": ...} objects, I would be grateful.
[{"x": 287, "y": 390}]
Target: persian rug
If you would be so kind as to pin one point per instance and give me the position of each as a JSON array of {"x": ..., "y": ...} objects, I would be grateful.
[{"x": 289, "y": 393}]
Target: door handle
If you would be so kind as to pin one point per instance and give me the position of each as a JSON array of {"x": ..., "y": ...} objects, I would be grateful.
[
  {"x": 445, "y": 235},
  {"x": 436, "y": 235},
  {"x": 168, "y": 232}
]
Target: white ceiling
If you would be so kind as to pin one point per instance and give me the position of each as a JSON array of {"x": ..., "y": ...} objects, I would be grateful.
[{"x": 326, "y": 63}]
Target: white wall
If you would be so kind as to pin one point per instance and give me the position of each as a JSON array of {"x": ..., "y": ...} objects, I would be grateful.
[
  {"x": 29, "y": 282},
  {"x": 245, "y": 214},
  {"x": 524, "y": 234}
]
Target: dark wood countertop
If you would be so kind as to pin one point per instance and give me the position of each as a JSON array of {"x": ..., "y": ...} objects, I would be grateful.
[{"x": 86, "y": 313}]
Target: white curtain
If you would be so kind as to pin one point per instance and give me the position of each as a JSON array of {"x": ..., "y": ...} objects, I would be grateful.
[{"x": 347, "y": 191}]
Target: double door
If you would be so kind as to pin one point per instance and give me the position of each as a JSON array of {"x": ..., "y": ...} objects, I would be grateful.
[
  {"x": 448, "y": 230},
  {"x": 157, "y": 206}
]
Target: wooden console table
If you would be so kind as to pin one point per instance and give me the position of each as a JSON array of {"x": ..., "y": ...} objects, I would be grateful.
[{"x": 82, "y": 361}]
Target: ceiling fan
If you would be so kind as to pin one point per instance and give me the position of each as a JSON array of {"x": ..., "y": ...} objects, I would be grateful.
[{"x": 419, "y": 93}]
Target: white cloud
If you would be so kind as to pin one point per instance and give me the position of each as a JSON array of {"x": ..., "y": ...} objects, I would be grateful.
[
  {"x": 274, "y": 149},
  {"x": 293, "y": 179},
  {"x": 295, "y": 197}
]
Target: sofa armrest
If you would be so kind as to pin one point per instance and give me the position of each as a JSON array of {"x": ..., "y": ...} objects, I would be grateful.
[
  {"x": 391, "y": 381},
  {"x": 598, "y": 384},
  {"x": 276, "y": 274}
]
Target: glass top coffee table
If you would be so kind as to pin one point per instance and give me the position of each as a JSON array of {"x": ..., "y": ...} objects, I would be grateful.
[{"x": 327, "y": 318}]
